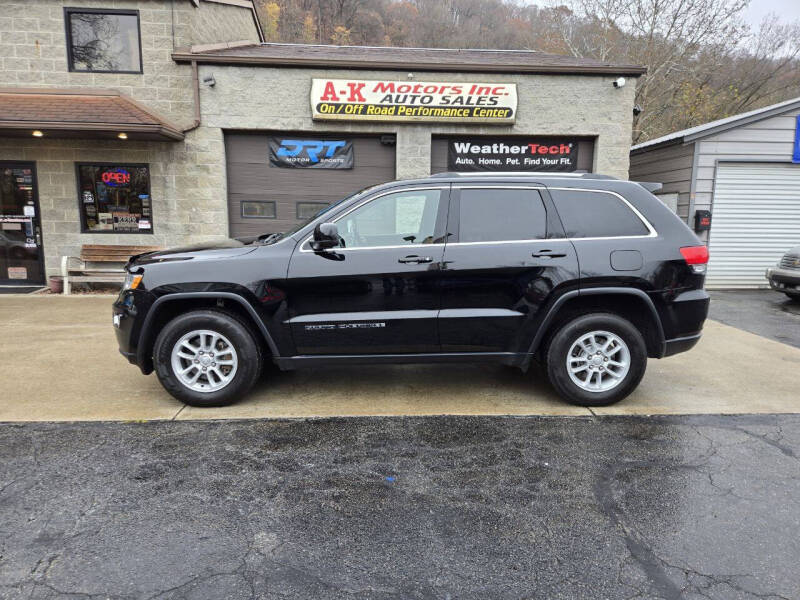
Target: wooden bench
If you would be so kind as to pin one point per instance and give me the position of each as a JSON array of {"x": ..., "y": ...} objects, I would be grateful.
[{"x": 96, "y": 264}]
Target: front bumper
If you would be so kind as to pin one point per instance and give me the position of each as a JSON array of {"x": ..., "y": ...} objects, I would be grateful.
[
  {"x": 784, "y": 280},
  {"x": 128, "y": 313}
]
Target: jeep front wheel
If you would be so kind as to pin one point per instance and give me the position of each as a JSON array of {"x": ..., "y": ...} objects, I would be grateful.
[
  {"x": 596, "y": 359},
  {"x": 207, "y": 358}
]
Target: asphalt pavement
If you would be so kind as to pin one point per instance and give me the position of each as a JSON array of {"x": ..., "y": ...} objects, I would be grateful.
[
  {"x": 402, "y": 508},
  {"x": 763, "y": 312}
]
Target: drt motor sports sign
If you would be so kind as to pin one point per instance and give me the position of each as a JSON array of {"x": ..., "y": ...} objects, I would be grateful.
[
  {"x": 310, "y": 153},
  {"x": 450, "y": 102},
  {"x": 530, "y": 154}
]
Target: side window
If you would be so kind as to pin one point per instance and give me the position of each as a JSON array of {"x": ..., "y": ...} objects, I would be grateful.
[
  {"x": 103, "y": 40},
  {"x": 596, "y": 214},
  {"x": 492, "y": 215},
  {"x": 405, "y": 218}
]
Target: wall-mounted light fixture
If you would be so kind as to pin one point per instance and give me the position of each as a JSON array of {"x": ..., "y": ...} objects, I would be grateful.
[
  {"x": 122, "y": 135},
  {"x": 620, "y": 82},
  {"x": 37, "y": 133}
]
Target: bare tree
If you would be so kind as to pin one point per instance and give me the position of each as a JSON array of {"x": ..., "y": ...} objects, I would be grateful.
[{"x": 703, "y": 61}]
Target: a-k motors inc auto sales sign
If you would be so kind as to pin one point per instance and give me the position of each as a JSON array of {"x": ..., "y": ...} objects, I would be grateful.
[{"x": 361, "y": 100}]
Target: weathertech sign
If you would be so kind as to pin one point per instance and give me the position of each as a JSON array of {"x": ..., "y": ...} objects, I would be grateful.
[
  {"x": 512, "y": 154},
  {"x": 359, "y": 100}
]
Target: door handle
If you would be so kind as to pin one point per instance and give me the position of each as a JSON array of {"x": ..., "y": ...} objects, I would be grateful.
[
  {"x": 548, "y": 254},
  {"x": 414, "y": 259}
]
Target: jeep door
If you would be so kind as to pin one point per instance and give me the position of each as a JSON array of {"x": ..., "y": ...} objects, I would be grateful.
[
  {"x": 505, "y": 260},
  {"x": 378, "y": 293}
]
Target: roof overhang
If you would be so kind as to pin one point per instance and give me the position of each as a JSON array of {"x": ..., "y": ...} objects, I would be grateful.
[
  {"x": 397, "y": 59},
  {"x": 693, "y": 134},
  {"x": 394, "y": 66},
  {"x": 88, "y": 114}
]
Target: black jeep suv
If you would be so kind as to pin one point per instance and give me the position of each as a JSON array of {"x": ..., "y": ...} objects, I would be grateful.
[{"x": 584, "y": 274}]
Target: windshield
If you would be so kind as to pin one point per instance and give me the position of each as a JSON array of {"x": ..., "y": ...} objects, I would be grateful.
[{"x": 327, "y": 209}]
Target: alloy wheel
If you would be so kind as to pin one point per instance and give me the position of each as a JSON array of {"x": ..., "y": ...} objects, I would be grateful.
[
  {"x": 204, "y": 360},
  {"x": 598, "y": 361}
]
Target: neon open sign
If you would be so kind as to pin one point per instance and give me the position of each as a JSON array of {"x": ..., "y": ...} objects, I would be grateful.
[{"x": 116, "y": 177}]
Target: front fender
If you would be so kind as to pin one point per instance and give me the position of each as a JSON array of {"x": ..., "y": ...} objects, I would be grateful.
[{"x": 147, "y": 334}]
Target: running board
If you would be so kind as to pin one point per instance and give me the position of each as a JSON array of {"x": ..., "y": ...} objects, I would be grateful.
[{"x": 312, "y": 360}]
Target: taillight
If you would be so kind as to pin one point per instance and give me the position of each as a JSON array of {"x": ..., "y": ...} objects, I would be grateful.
[{"x": 696, "y": 257}]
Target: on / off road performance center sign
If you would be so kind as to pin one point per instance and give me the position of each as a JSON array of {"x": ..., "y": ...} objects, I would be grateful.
[{"x": 360, "y": 100}]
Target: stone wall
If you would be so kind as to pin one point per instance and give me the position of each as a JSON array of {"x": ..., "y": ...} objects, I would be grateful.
[
  {"x": 212, "y": 23},
  {"x": 187, "y": 178},
  {"x": 187, "y": 186},
  {"x": 273, "y": 98},
  {"x": 33, "y": 48}
]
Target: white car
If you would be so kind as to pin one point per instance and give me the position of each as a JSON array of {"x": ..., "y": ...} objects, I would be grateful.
[{"x": 785, "y": 276}]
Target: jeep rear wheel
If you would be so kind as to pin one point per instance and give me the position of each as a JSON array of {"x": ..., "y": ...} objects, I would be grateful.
[
  {"x": 207, "y": 358},
  {"x": 596, "y": 359}
]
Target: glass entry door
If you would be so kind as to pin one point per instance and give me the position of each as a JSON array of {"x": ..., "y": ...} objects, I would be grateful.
[{"x": 20, "y": 233}]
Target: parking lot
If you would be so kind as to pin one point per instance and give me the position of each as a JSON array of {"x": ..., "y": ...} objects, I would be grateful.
[
  {"x": 393, "y": 482},
  {"x": 61, "y": 364},
  {"x": 402, "y": 507},
  {"x": 763, "y": 312}
]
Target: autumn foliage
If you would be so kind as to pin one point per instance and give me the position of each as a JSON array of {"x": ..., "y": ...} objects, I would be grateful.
[{"x": 704, "y": 62}]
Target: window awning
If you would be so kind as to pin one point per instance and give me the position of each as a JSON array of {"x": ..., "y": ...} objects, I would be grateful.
[{"x": 104, "y": 114}]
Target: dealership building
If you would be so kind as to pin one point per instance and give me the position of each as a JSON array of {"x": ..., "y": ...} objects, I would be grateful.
[
  {"x": 736, "y": 181},
  {"x": 160, "y": 123}
]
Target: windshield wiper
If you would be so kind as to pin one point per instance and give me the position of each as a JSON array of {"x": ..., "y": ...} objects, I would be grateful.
[{"x": 269, "y": 237}]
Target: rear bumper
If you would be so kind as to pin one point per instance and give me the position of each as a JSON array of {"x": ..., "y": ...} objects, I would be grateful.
[
  {"x": 783, "y": 280},
  {"x": 681, "y": 344}
]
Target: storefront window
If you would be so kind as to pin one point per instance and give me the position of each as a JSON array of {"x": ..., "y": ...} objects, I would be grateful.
[
  {"x": 103, "y": 40},
  {"x": 115, "y": 198},
  {"x": 258, "y": 209},
  {"x": 306, "y": 210}
]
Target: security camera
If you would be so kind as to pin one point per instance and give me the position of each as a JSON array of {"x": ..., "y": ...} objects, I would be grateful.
[
  {"x": 620, "y": 82},
  {"x": 637, "y": 110},
  {"x": 411, "y": 76},
  {"x": 209, "y": 80}
]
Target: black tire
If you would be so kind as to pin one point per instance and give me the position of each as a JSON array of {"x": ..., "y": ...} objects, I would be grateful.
[
  {"x": 247, "y": 348},
  {"x": 792, "y": 296},
  {"x": 562, "y": 342}
]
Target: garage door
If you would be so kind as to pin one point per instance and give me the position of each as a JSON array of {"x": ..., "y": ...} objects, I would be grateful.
[
  {"x": 265, "y": 199},
  {"x": 756, "y": 218}
]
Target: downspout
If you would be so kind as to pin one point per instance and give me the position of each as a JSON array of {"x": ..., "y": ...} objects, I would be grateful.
[{"x": 196, "y": 88}]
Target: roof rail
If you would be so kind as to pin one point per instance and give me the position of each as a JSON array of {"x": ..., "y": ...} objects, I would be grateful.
[{"x": 518, "y": 174}]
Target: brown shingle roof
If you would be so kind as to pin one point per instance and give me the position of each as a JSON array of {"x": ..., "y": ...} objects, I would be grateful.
[
  {"x": 93, "y": 111},
  {"x": 425, "y": 59}
]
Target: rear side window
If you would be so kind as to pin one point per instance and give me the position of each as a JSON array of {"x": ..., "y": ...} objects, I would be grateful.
[
  {"x": 492, "y": 215},
  {"x": 596, "y": 214}
]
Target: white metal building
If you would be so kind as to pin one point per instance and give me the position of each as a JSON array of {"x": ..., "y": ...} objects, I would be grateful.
[{"x": 742, "y": 170}]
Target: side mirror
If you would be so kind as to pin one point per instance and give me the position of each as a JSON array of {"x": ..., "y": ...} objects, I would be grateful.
[{"x": 326, "y": 236}]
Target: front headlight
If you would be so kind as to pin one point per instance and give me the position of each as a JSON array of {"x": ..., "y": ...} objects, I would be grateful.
[{"x": 132, "y": 281}]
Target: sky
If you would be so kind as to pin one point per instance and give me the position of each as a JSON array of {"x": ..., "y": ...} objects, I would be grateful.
[{"x": 787, "y": 10}]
